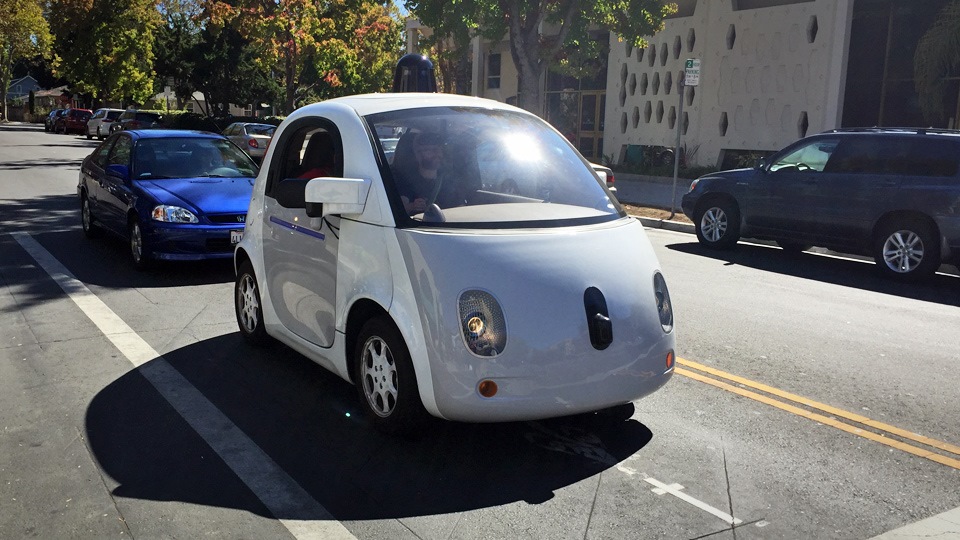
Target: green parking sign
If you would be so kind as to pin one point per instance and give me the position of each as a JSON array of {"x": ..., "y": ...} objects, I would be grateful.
[{"x": 691, "y": 72}]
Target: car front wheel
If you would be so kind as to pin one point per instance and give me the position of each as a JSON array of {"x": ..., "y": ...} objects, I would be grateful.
[
  {"x": 385, "y": 378},
  {"x": 718, "y": 224},
  {"x": 249, "y": 307},
  {"x": 907, "y": 250},
  {"x": 139, "y": 253}
]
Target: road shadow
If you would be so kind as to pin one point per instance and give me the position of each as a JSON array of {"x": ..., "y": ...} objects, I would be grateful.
[
  {"x": 40, "y": 164},
  {"x": 860, "y": 274},
  {"x": 308, "y": 421},
  {"x": 39, "y": 213}
]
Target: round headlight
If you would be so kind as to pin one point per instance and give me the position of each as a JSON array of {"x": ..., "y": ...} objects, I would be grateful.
[
  {"x": 482, "y": 323},
  {"x": 664, "y": 306}
]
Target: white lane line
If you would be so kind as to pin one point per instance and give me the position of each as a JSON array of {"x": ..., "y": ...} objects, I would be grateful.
[
  {"x": 303, "y": 516},
  {"x": 674, "y": 489}
]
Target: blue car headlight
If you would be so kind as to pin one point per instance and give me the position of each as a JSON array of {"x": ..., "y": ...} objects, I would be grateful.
[
  {"x": 173, "y": 214},
  {"x": 482, "y": 323}
]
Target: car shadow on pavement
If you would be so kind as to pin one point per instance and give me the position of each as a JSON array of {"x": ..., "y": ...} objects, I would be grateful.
[
  {"x": 847, "y": 272},
  {"x": 309, "y": 423},
  {"x": 40, "y": 164}
]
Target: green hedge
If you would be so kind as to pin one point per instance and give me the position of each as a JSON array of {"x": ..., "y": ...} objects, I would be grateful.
[{"x": 199, "y": 122}]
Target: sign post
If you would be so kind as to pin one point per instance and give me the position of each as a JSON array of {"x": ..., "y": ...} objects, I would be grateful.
[{"x": 690, "y": 77}]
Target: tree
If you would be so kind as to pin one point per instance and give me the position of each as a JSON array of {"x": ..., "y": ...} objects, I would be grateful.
[
  {"x": 225, "y": 71},
  {"x": 175, "y": 43},
  {"x": 337, "y": 36},
  {"x": 452, "y": 30},
  {"x": 23, "y": 34},
  {"x": 106, "y": 46},
  {"x": 937, "y": 57},
  {"x": 533, "y": 50}
]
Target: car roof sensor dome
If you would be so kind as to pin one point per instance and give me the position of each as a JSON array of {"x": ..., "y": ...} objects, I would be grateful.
[{"x": 414, "y": 73}]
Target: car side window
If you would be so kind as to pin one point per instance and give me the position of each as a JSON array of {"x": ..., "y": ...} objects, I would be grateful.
[
  {"x": 309, "y": 149},
  {"x": 120, "y": 154},
  {"x": 810, "y": 157},
  {"x": 101, "y": 153}
]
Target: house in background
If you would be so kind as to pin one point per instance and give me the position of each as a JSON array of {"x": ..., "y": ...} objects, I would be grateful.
[{"x": 19, "y": 90}]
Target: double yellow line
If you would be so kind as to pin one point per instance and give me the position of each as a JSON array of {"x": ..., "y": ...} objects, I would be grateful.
[{"x": 739, "y": 386}]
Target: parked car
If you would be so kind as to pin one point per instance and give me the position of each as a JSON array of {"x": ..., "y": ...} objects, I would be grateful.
[
  {"x": 173, "y": 195},
  {"x": 892, "y": 194},
  {"x": 484, "y": 307},
  {"x": 606, "y": 175},
  {"x": 51, "y": 119},
  {"x": 133, "y": 119},
  {"x": 250, "y": 137},
  {"x": 99, "y": 124},
  {"x": 72, "y": 121}
]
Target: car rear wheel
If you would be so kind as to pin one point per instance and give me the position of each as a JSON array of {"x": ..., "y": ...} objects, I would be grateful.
[
  {"x": 249, "y": 307},
  {"x": 385, "y": 378},
  {"x": 139, "y": 252},
  {"x": 907, "y": 250},
  {"x": 90, "y": 228},
  {"x": 718, "y": 224}
]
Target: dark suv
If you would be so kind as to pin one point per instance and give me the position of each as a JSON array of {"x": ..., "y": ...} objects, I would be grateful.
[
  {"x": 133, "y": 119},
  {"x": 893, "y": 194}
]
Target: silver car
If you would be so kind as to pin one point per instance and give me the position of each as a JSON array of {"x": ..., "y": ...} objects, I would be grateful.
[
  {"x": 251, "y": 138},
  {"x": 99, "y": 124}
]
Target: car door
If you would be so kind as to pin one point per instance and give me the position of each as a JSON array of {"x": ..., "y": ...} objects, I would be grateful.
[
  {"x": 300, "y": 252},
  {"x": 859, "y": 182},
  {"x": 92, "y": 173},
  {"x": 785, "y": 192},
  {"x": 115, "y": 193}
]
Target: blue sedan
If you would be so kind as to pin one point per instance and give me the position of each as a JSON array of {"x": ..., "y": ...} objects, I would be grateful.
[{"x": 173, "y": 195}]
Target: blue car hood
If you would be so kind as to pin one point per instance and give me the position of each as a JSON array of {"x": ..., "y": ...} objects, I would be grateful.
[{"x": 204, "y": 195}]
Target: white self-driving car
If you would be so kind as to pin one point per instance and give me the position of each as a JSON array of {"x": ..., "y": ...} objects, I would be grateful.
[{"x": 433, "y": 292}]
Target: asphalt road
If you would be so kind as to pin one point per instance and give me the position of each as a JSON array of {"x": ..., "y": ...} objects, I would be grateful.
[{"x": 813, "y": 399}]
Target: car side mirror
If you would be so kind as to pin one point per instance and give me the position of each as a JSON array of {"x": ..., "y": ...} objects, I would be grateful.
[
  {"x": 119, "y": 171},
  {"x": 325, "y": 196},
  {"x": 762, "y": 163}
]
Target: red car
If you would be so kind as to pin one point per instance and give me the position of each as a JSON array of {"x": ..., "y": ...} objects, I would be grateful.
[{"x": 73, "y": 121}]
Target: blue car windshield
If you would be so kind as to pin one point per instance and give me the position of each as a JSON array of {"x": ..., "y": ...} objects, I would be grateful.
[
  {"x": 475, "y": 167},
  {"x": 186, "y": 157}
]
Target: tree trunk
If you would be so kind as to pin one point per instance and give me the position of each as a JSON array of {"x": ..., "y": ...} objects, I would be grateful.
[
  {"x": 525, "y": 50},
  {"x": 463, "y": 72},
  {"x": 290, "y": 99}
]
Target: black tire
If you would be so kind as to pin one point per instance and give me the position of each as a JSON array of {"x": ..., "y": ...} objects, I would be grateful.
[
  {"x": 139, "y": 250},
  {"x": 89, "y": 136},
  {"x": 792, "y": 248},
  {"x": 717, "y": 223},
  {"x": 249, "y": 307},
  {"x": 87, "y": 221},
  {"x": 99, "y": 134},
  {"x": 385, "y": 380},
  {"x": 907, "y": 250}
]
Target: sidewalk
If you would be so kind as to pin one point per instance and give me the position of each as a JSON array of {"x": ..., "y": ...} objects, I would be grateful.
[{"x": 653, "y": 191}]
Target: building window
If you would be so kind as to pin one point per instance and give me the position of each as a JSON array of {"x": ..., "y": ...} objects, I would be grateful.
[{"x": 493, "y": 71}]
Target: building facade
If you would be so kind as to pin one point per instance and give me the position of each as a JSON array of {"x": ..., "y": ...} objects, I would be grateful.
[{"x": 772, "y": 71}]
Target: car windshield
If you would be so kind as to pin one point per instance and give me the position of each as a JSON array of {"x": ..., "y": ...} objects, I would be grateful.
[
  {"x": 489, "y": 168},
  {"x": 261, "y": 129},
  {"x": 177, "y": 157},
  {"x": 147, "y": 117}
]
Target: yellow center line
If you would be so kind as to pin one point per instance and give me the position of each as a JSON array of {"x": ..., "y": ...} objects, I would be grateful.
[{"x": 832, "y": 422}]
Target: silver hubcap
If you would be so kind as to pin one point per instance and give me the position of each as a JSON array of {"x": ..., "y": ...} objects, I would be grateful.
[
  {"x": 713, "y": 224},
  {"x": 247, "y": 304},
  {"x": 903, "y": 251},
  {"x": 136, "y": 243},
  {"x": 379, "y": 374}
]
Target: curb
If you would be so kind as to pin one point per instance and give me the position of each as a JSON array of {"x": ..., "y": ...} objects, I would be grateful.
[{"x": 667, "y": 225}]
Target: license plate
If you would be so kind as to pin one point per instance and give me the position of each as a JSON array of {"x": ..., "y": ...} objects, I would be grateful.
[{"x": 235, "y": 236}]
